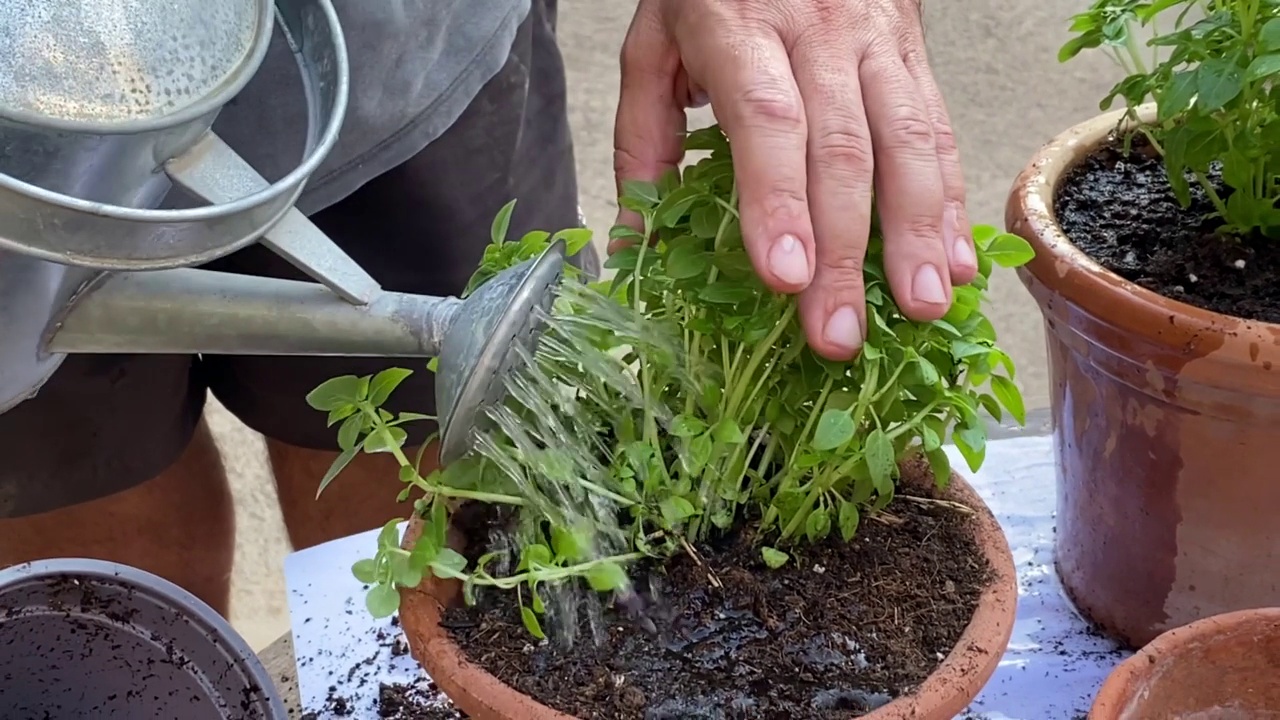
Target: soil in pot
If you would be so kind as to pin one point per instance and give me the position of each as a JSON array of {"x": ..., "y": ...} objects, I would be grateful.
[
  {"x": 842, "y": 629},
  {"x": 1119, "y": 208}
]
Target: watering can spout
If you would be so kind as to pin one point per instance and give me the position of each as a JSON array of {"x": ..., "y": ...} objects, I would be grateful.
[
  {"x": 186, "y": 311},
  {"x": 189, "y": 311}
]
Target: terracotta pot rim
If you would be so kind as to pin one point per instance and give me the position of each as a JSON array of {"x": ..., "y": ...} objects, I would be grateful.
[
  {"x": 1115, "y": 695},
  {"x": 944, "y": 694},
  {"x": 1069, "y": 272}
]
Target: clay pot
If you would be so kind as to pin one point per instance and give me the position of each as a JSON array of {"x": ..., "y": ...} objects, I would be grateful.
[
  {"x": 1220, "y": 667},
  {"x": 1166, "y": 427},
  {"x": 942, "y": 696}
]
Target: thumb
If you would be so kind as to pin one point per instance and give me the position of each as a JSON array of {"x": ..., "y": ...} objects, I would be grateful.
[{"x": 648, "y": 137}]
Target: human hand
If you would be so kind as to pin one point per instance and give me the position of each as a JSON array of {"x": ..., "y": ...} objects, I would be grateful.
[{"x": 810, "y": 92}]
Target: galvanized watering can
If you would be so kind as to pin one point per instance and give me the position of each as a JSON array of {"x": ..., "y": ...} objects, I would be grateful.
[{"x": 105, "y": 105}]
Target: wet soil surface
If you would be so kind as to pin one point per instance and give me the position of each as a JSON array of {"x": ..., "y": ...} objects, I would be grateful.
[
  {"x": 839, "y": 631},
  {"x": 74, "y": 648},
  {"x": 1121, "y": 211}
]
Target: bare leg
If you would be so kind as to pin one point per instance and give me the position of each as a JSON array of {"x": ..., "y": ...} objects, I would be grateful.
[
  {"x": 362, "y": 498},
  {"x": 179, "y": 525}
]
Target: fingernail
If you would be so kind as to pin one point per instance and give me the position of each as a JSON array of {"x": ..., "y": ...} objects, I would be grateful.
[
  {"x": 787, "y": 261},
  {"x": 957, "y": 239},
  {"x": 927, "y": 286},
  {"x": 843, "y": 329},
  {"x": 962, "y": 253}
]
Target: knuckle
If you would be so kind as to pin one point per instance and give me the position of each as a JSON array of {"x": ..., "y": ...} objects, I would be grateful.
[
  {"x": 945, "y": 139},
  {"x": 909, "y": 129},
  {"x": 841, "y": 268},
  {"x": 772, "y": 103},
  {"x": 919, "y": 227},
  {"x": 843, "y": 149}
]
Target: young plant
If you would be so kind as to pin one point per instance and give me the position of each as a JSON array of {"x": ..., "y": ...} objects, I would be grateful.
[
  {"x": 679, "y": 400},
  {"x": 1212, "y": 76}
]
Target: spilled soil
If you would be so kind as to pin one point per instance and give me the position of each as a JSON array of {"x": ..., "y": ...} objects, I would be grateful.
[
  {"x": 1120, "y": 210},
  {"x": 396, "y": 701},
  {"x": 841, "y": 630}
]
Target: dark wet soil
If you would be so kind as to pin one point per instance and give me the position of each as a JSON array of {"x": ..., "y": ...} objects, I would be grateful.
[
  {"x": 839, "y": 631},
  {"x": 1120, "y": 210},
  {"x": 116, "y": 651}
]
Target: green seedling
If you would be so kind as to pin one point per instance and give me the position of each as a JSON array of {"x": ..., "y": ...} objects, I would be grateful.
[
  {"x": 1210, "y": 66},
  {"x": 678, "y": 400}
]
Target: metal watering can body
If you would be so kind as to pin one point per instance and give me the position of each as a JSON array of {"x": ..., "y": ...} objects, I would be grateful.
[{"x": 102, "y": 113}]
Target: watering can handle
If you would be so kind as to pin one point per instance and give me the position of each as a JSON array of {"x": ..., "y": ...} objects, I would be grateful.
[
  {"x": 67, "y": 230},
  {"x": 213, "y": 171}
]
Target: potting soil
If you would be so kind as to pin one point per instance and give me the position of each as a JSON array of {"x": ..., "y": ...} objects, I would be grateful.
[
  {"x": 841, "y": 630},
  {"x": 1120, "y": 210}
]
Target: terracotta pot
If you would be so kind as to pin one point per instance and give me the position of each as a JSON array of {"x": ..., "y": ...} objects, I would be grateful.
[
  {"x": 942, "y": 696},
  {"x": 1221, "y": 667},
  {"x": 1166, "y": 427}
]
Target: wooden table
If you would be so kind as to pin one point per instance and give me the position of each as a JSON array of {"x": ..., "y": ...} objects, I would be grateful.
[{"x": 283, "y": 668}]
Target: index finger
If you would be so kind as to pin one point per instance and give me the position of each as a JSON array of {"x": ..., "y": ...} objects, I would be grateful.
[
  {"x": 746, "y": 72},
  {"x": 648, "y": 135}
]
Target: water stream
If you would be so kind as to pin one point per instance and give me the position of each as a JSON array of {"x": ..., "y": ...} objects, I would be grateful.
[{"x": 557, "y": 438}]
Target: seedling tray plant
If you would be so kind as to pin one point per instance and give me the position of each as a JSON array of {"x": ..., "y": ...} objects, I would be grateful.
[
  {"x": 1157, "y": 268},
  {"x": 681, "y": 509}
]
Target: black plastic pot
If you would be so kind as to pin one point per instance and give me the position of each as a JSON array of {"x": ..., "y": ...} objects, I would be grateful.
[{"x": 90, "y": 639}]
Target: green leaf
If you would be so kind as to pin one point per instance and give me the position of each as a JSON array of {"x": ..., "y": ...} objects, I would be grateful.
[
  {"x": 575, "y": 239},
  {"x": 534, "y": 557},
  {"x": 686, "y": 261},
  {"x": 365, "y": 571},
  {"x": 501, "y": 223},
  {"x": 389, "y": 536},
  {"x": 339, "y": 464},
  {"x": 1010, "y": 397},
  {"x": 1218, "y": 82},
  {"x": 699, "y": 454},
  {"x": 971, "y": 441},
  {"x": 340, "y": 414},
  {"x": 567, "y": 544},
  {"x": 349, "y": 433},
  {"x": 448, "y": 563},
  {"x": 1262, "y": 67},
  {"x": 382, "y": 601},
  {"x": 835, "y": 429},
  {"x": 1269, "y": 36},
  {"x": 817, "y": 525},
  {"x": 403, "y": 573},
  {"x": 607, "y": 576},
  {"x": 624, "y": 259},
  {"x": 941, "y": 466},
  {"x": 1177, "y": 97},
  {"x": 687, "y": 426},
  {"x": 531, "y": 623},
  {"x": 774, "y": 558},
  {"x": 645, "y": 192},
  {"x": 849, "y": 518},
  {"x": 385, "y": 440},
  {"x": 881, "y": 460},
  {"x": 384, "y": 383},
  {"x": 439, "y": 525},
  {"x": 336, "y": 393},
  {"x": 725, "y": 293},
  {"x": 1009, "y": 250},
  {"x": 727, "y": 431},
  {"x": 929, "y": 438},
  {"x": 676, "y": 510}
]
